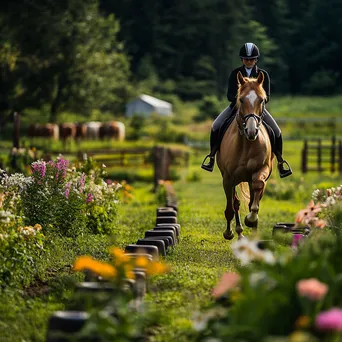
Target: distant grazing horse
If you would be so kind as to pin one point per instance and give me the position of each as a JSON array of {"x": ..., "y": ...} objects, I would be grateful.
[
  {"x": 43, "y": 130},
  {"x": 92, "y": 129},
  {"x": 245, "y": 154},
  {"x": 113, "y": 130}
]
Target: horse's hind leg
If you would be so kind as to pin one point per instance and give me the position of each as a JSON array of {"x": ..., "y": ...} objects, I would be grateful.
[
  {"x": 257, "y": 190},
  {"x": 236, "y": 206},
  {"x": 229, "y": 212}
]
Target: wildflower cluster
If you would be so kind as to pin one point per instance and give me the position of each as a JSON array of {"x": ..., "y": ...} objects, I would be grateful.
[
  {"x": 61, "y": 197},
  {"x": 309, "y": 216},
  {"x": 120, "y": 267}
]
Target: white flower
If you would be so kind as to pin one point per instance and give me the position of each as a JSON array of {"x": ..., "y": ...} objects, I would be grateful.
[{"x": 247, "y": 251}]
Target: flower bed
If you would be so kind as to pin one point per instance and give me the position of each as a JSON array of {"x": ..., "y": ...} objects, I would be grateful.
[
  {"x": 54, "y": 199},
  {"x": 292, "y": 295}
]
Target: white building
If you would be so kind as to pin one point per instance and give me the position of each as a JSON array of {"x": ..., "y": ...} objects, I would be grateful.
[{"x": 146, "y": 105}]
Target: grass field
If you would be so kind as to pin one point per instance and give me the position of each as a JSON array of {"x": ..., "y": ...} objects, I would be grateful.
[{"x": 197, "y": 262}]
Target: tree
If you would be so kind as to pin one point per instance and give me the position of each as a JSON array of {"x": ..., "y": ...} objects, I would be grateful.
[{"x": 69, "y": 56}]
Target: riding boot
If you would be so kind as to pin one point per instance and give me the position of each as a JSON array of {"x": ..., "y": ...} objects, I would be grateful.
[
  {"x": 281, "y": 162},
  {"x": 214, "y": 146}
]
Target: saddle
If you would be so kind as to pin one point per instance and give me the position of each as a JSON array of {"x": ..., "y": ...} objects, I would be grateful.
[{"x": 229, "y": 120}]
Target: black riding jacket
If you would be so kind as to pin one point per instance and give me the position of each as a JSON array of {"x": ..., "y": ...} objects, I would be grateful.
[{"x": 233, "y": 82}]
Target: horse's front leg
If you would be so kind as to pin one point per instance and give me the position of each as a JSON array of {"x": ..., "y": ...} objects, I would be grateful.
[
  {"x": 236, "y": 206},
  {"x": 229, "y": 212},
  {"x": 257, "y": 188}
]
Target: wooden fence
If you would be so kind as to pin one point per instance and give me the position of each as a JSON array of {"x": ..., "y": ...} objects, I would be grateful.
[{"x": 320, "y": 156}]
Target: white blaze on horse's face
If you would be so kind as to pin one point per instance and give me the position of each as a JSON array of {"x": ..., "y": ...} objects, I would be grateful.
[
  {"x": 252, "y": 96},
  {"x": 251, "y": 128}
]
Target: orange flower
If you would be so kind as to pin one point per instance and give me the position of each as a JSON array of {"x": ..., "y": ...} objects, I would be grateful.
[
  {"x": 155, "y": 267},
  {"x": 100, "y": 268},
  {"x": 312, "y": 289},
  {"x": 141, "y": 262},
  {"x": 227, "y": 282},
  {"x": 302, "y": 322},
  {"x": 119, "y": 255},
  {"x": 82, "y": 263}
]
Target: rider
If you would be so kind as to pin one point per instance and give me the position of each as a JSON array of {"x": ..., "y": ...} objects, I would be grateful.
[{"x": 249, "y": 54}]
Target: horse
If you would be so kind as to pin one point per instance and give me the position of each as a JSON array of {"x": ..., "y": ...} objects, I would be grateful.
[{"x": 245, "y": 154}]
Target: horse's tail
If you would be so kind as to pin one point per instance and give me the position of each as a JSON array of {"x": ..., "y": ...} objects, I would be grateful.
[{"x": 244, "y": 191}]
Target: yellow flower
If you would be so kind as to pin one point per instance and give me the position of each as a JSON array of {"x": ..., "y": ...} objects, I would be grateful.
[
  {"x": 156, "y": 267},
  {"x": 300, "y": 336},
  {"x": 83, "y": 263},
  {"x": 100, "y": 268},
  {"x": 119, "y": 255},
  {"x": 128, "y": 270},
  {"x": 37, "y": 227},
  {"x": 141, "y": 262}
]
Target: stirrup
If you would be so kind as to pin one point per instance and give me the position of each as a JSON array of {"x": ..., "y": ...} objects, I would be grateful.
[
  {"x": 209, "y": 166},
  {"x": 282, "y": 172}
]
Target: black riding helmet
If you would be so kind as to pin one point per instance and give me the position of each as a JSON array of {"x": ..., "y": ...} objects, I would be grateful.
[{"x": 249, "y": 51}]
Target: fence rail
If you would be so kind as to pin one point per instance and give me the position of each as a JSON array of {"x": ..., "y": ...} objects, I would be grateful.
[{"x": 319, "y": 157}]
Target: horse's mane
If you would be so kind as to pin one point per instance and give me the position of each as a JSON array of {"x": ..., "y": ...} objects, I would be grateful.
[{"x": 254, "y": 85}]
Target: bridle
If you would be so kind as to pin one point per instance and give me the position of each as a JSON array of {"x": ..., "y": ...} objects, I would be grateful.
[{"x": 245, "y": 118}]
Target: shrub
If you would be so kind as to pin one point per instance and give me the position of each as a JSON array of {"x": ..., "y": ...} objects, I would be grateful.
[{"x": 209, "y": 108}]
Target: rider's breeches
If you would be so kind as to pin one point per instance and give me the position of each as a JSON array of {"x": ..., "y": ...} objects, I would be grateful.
[{"x": 228, "y": 112}]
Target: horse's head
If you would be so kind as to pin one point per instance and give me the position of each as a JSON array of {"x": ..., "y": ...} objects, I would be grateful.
[{"x": 250, "y": 105}]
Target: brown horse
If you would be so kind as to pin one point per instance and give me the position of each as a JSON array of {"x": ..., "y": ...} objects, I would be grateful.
[{"x": 245, "y": 154}]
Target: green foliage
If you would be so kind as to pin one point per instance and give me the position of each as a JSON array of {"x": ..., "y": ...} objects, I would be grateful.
[
  {"x": 20, "y": 248},
  {"x": 323, "y": 82},
  {"x": 137, "y": 125},
  {"x": 209, "y": 108},
  {"x": 78, "y": 60}
]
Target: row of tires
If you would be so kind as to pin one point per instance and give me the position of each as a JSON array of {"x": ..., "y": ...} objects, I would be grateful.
[{"x": 155, "y": 244}]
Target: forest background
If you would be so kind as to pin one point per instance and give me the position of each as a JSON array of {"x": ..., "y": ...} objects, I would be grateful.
[{"x": 86, "y": 55}]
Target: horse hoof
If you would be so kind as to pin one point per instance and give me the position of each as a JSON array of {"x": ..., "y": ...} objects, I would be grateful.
[
  {"x": 241, "y": 236},
  {"x": 251, "y": 224},
  {"x": 228, "y": 235}
]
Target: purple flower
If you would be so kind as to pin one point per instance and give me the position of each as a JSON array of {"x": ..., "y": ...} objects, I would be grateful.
[
  {"x": 61, "y": 166},
  {"x": 40, "y": 168},
  {"x": 90, "y": 198},
  {"x": 330, "y": 320},
  {"x": 67, "y": 190},
  {"x": 82, "y": 182},
  {"x": 296, "y": 239}
]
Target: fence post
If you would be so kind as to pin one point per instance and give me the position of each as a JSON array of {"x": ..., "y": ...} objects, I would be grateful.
[
  {"x": 305, "y": 157},
  {"x": 16, "y": 129},
  {"x": 16, "y": 138},
  {"x": 161, "y": 164},
  {"x": 340, "y": 157},
  {"x": 333, "y": 153},
  {"x": 319, "y": 155}
]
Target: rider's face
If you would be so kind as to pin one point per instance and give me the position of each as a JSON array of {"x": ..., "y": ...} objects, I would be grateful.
[{"x": 249, "y": 62}]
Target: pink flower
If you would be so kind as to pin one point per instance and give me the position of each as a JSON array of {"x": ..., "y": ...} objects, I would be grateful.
[
  {"x": 330, "y": 320},
  {"x": 82, "y": 182},
  {"x": 296, "y": 239},
  {"x": 228, "y": 281},
  {"x": 67, "y": 190},
  {"x": 90, "y": 198},
  {"x": 312, "y": 289}
]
